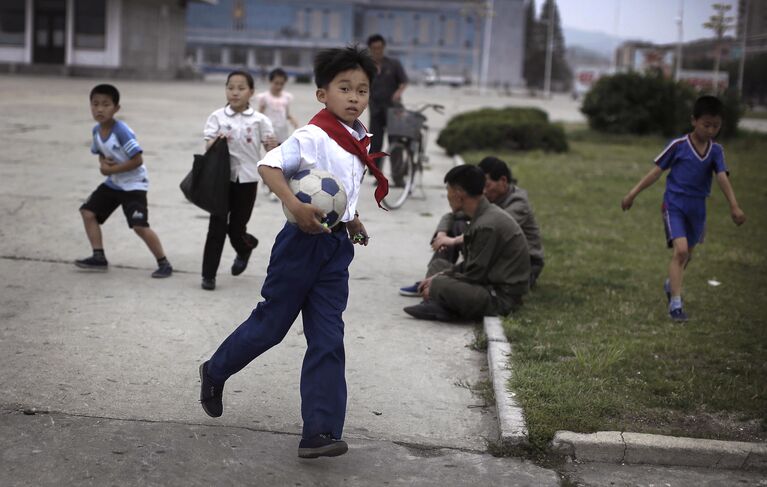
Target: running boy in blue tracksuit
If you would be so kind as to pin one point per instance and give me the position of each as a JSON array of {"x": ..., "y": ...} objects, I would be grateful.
[
  {"x": 691, "y": 161},
  {"x": 308, "y": 267}
]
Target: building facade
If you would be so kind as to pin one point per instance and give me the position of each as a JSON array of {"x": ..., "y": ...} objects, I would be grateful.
[
  {"x": 481, "y": 40},
  {"x": 752, "y": 22},
  {"x": 138, "y": 38}
]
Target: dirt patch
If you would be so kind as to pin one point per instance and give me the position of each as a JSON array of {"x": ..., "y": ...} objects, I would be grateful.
[{"x": 717, "y": 426}]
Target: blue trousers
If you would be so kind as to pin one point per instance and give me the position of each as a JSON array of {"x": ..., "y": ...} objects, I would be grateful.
[{"x": 310, "y": 274}]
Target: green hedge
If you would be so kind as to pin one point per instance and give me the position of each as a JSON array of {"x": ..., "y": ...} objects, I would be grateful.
[
  {"x": 631, "y": 103},
  {"x": 509, "y": 128}
]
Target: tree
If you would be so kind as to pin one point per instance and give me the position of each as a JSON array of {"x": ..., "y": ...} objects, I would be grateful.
[
  {"x": 720, "y": 24},
  {"x": 535, "y": 51},
  {"x": 532, "y": 47}
]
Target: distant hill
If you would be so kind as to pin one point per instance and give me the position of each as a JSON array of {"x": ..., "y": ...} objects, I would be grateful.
[
  {"x": 581, "y": 56},
  {"x": 597, "y": 42}
]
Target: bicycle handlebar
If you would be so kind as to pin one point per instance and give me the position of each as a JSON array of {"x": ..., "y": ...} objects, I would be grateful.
[{"x": 435, "y": 106}]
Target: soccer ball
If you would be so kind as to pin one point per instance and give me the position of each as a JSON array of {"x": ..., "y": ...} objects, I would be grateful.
[{"x": 320, "y": 189}]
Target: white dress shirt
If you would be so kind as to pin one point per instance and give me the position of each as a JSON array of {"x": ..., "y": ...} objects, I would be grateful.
[
  {"x": 245, "y": 133},
  {"x": 311, "y": 148}
]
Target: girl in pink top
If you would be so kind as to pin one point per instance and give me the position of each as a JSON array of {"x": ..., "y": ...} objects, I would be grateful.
[{"x": 274, "y": 104}]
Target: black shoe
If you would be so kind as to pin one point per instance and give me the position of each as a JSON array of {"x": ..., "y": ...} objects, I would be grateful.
[
  {"x": 165, "y": 270},
  {"x": 240, "y": 264},
  {"x": 210, "y": 394},
  {"x": 241, "y": 261},
  {"x": 208, "y": 284},
  {"x": 429, "y": 310},
  {"x": 93, "y": 264},
  {"x": 321, "y": 446}
]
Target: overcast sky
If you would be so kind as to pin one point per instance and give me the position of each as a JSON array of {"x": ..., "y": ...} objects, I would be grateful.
[{"x": 652, "y": 20}]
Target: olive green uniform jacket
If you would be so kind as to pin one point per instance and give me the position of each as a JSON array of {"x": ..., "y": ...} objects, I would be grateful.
[{"x": 495, "y": 272}]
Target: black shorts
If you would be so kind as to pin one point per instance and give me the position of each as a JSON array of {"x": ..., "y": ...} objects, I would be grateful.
[{"x": 105, "y": 200}]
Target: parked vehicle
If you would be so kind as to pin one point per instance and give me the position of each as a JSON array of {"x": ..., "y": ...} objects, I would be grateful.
[{"x": 433, "y": 77}]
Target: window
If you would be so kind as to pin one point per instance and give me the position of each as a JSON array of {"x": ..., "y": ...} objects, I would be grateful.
[
  {"x": 291, "y": 57},
  {"x": 451, "y": 32},
  {"x": 373, "y": 25},
  {"x": 316, "y": 24},
  {"x": 424, "y": 35},
  {"x": 300, "y": 22},
  {"x": 211, "y": 55},
  {"x": 334, "y": 25},
  {"x": 264, "y": 56},
  {"x": 12, "y": 22},
  {"x": 399, "y": 30},
  {"x": 238, "y": 56},
  {"x": 90, "y": 24}
]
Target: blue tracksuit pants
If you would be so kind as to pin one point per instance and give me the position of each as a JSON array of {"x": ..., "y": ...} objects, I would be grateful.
[{"x": 306, "y": 273}]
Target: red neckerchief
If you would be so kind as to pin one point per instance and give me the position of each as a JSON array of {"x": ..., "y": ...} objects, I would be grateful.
[{"x": 335, "y": 130}]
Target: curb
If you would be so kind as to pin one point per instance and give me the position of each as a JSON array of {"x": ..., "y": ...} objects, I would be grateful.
[
  {"x": 611, "y": 446},
  {"x": 641, "y": 448},
  {"x": 510, "y": 415}
]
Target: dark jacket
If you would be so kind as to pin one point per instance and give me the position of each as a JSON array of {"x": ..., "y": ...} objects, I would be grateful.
[{"x": 496, "y": 254}]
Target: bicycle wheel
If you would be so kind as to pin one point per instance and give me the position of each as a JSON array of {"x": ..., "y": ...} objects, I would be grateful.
[{"x": 401, "y": 175}]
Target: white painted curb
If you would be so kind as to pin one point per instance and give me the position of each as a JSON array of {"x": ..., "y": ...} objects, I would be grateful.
[
  {"x": 641, "y": 448},
  {"x": 510, "y": 415}
]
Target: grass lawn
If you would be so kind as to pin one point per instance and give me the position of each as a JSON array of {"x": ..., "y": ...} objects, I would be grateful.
[{"x": 593, "y": 347}]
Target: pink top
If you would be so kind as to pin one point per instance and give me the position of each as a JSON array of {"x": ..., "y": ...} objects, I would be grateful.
[{"x": 276, "y": 108}]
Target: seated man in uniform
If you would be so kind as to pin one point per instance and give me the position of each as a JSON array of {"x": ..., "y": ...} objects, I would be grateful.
[
  {"x": 495, "y": 271},
  {"x": 501, "y": 189}
]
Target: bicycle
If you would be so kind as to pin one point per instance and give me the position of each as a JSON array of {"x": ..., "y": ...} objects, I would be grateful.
[{"x": 408, "y": 133}]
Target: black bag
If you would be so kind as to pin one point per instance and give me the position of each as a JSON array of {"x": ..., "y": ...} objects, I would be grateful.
[{"x": 207, "y": 184}]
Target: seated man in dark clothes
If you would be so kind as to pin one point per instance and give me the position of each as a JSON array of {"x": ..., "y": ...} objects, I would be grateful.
[
  {"x": 495, "y": 272},
  {"x": 500, "y": 188}
]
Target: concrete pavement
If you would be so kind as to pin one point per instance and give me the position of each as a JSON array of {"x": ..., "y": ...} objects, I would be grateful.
[
  {"x": 56, "y": 449},
  {"x": 109, "y": 361},
  {"x": 118, "y": 352}
]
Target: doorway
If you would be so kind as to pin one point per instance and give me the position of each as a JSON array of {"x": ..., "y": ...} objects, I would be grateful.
[{"x": 49, "y": 43}]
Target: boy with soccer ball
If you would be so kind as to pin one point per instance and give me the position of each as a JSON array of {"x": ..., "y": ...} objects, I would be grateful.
[
  {"x": 691, "y": 161},
  {"x": 308, "y": 267}
]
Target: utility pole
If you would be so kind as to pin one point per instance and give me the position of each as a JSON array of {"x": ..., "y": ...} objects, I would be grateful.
[
  {"x": 616, "y": 24},
  {"x": 744, "y": 34},
  {"x": 490, "y": 4},
  {"x": 679, "y": 39},
  {"x": 549, "y": 51}
]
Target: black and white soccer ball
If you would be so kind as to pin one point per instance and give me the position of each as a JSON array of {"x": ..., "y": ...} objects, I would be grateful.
[{"x": 320, "y": 189}]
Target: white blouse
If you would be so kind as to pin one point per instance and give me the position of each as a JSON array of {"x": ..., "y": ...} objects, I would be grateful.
[{"x": 245, "y": 133}]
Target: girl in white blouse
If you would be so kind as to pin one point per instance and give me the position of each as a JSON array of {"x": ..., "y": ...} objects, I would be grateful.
[{"x": 246, "y": 131}]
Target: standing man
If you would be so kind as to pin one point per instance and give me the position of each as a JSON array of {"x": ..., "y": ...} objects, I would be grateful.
[{"x": 385, "y": 92}]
